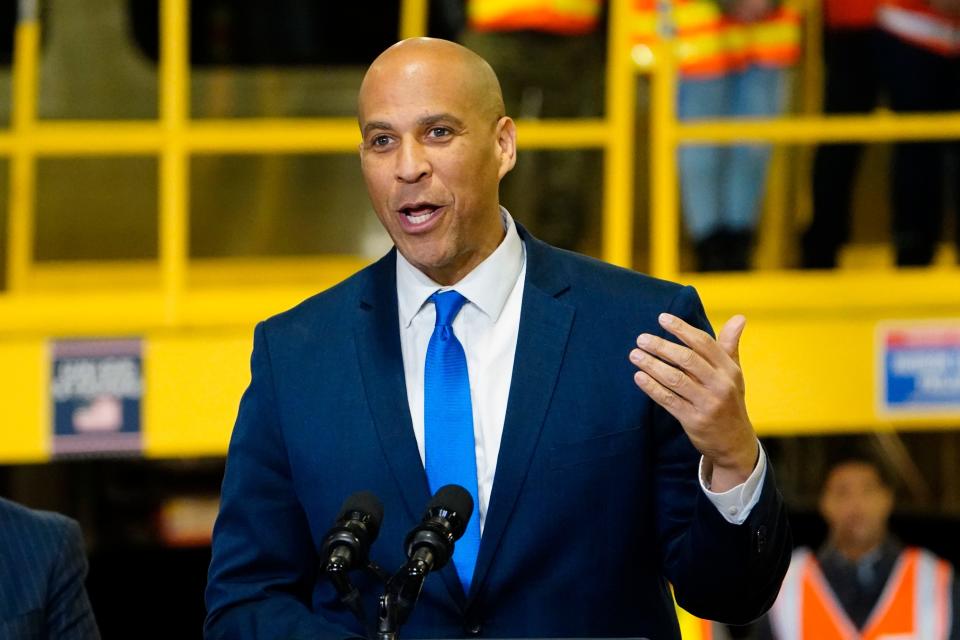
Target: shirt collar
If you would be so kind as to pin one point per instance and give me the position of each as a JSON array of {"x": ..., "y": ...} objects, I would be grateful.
[{"x": 487, "y": 286}]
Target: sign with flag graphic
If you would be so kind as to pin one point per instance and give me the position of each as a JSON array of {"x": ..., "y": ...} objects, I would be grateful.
[
  {"x": 920, "y": 368},
  {"x": 97, "y": 391}
]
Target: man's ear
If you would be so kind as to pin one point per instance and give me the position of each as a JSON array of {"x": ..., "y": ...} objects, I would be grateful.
[{"x": 506, "y": 145}]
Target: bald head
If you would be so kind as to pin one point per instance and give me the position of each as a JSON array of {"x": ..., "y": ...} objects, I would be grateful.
[
  {"x": 439, "y": 64},
  {"x": 436, "y": 143}
]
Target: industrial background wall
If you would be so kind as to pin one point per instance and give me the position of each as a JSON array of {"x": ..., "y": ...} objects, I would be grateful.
[{"x": 171, "y": 172}]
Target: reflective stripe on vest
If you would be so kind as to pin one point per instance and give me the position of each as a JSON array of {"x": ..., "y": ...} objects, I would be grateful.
[
  {"x": 919, "y": 24},
  {"x": 565, "y": 17},
  {"x": 915, "y": 603},
  {"x": 709, "y": 43},
  {"x": 785, "y": 614}
]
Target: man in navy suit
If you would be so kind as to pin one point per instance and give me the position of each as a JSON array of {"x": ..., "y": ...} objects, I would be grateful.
[
  {"x": 610, "y": 444},
  {"x": 42, "y": 570}
]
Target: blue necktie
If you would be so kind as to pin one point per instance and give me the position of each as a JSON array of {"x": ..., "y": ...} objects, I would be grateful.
[{"x": 450, "y": 451}]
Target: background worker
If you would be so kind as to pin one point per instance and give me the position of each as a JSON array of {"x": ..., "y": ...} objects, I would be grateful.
[
  {"x": 863, "y": 582},
  {"x": 548, "y": 55},
  {"x": 733, "y": 59},
  {"x": 852, "y": 84},
  {"x": 922, "y": 65}
]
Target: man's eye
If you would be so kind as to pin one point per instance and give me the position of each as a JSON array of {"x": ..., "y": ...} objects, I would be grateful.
[
  {"x": 379, "y": 141},
  {"x": 439, "y": 132}
]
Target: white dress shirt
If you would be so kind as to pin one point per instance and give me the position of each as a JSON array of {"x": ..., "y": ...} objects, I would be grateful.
[{"x": 487, "y": 327}]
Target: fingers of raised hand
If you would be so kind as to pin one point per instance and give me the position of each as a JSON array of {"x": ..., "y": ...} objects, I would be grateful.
[
  {"x": 697, "y": 339},
  {"x": 705, "y": 346},
  {"x": 669, "y": 376},
  {"x": 673, "y": 403},
  {"x": 682, "y": 357}
]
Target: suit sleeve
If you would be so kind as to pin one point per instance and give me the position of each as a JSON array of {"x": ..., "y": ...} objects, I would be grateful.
[
  {"x": 263, "y": 568},
  {"x": 68, "y": 612},
  {"x": 720, "y": 571}
]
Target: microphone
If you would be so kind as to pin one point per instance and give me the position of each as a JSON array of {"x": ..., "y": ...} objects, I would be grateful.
[
  {"x": 429, "y": 547},
  {"x": 431, "y": 543},
  {"x": 347, "y": 545}
]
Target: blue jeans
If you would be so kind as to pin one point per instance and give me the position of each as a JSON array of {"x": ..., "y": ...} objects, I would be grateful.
[{"x": 721, "y": 186}]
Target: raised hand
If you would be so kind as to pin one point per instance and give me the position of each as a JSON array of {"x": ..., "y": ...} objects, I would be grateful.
[{"x": 701, "y": 384}]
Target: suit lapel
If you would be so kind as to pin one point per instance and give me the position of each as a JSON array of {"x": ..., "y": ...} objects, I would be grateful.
[
  {"x": 381, "y": 362},
  {"x": 545, "y": 324},
  {"x": 377, "y": 336}
]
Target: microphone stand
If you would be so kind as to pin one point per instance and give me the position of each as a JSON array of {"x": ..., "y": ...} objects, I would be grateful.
[
  {"x": 403, "y": 591},
  {"x": 337, "y": 570}
]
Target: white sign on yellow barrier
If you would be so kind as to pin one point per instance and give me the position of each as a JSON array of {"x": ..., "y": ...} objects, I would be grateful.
[{"x": 96, "y": 388}]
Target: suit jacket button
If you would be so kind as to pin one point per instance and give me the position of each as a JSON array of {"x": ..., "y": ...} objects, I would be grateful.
[
  {"x": 473, "y": 628},
  {"x": 761, "y": 536}
]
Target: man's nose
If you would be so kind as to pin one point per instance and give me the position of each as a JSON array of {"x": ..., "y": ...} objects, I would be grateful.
[{"x": 412, "y": 162}]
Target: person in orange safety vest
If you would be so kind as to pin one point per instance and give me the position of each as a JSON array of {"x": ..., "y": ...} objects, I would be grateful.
[
  {"x": 733, "y": 57},
  {"x": 863, "y": 584},
  {"x": 853, "y": 72},
  {"x": 548, "y": 55},
  {"x": 922, "y": 67}
]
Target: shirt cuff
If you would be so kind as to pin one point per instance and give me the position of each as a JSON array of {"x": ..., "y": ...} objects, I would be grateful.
[{"x": 736, "y": 504}]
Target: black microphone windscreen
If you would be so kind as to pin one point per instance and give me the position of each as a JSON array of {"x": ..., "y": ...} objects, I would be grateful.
[
  {"x": 364, "y": 502},
  {"x": 453, "y": 497}
]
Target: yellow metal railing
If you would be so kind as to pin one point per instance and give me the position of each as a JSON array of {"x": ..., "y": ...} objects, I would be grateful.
[
  {"x": 175, "y": 137},
  {"x": 668, "y": 134}
]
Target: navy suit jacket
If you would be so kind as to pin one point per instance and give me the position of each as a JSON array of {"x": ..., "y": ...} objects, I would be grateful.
[
  {"x": 595, "y": 504},
  {"x": 42, "y": 569}
]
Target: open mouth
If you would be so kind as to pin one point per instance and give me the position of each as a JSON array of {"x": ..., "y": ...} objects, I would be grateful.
[{"x": 420, "y": 213}]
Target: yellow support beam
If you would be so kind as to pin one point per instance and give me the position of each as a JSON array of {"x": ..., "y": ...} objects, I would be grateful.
[
  {"x": 105, "y": 313},
  {"x": 413, "y": 18},
  {"x": 271, "y": 135},
  {"x": 228, "y": 292},
  {"x": 144, "y": 275},
  {"x": 73, "y": 138},
  {"x": 24, "y": 393},
  {"x": 173, "y": 179},
  {"x": 883, "y": 127},
  {"x": 664, "y": 201},
  {"x": 811, "y": 365},
  {"x": 82, "y": 138},
  {"x": 930, "y": 291},
  {"x": 23, "y": 163},
  {"x": 618, "y": 188},
  {"x": 558, "y": 133}
]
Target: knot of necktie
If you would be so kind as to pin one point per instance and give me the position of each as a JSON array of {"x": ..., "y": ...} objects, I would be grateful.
[{"x": 448, "y": 305}]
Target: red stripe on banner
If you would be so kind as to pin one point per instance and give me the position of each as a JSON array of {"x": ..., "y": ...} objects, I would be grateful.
[{"x": 906, "y": 338}]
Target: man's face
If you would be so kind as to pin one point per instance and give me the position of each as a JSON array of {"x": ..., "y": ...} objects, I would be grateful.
[
  {"x": 856, "y": 505},
  {"x": 432, "y": 159}
]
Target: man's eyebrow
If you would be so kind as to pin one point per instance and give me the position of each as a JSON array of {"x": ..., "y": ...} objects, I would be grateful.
[
  {"x": 440, "y": 117},
  {"x": 376, "y": 124}
]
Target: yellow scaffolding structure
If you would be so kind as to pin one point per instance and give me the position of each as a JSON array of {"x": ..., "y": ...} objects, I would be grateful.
[
  {"x": 175, "y": 137},
  {"x": 202, "y": 309}
]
